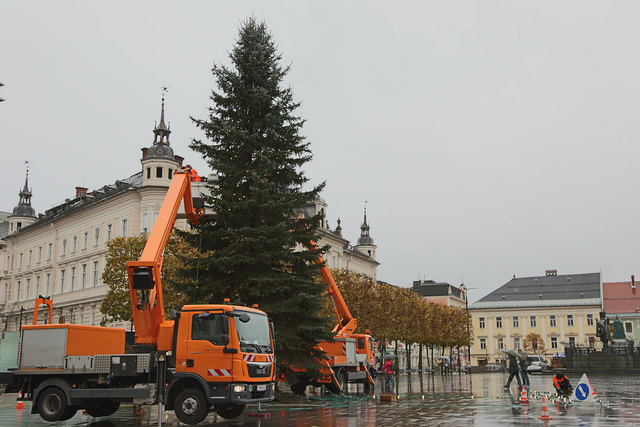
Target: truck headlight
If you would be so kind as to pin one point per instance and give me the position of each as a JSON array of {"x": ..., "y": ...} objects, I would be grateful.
[{"x": 238, "y": 388}]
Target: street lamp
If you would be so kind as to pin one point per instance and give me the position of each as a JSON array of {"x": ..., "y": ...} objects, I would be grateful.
[{"x": 464, "y": 290}]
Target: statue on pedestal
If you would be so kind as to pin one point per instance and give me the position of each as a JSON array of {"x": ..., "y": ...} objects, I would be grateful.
[
  {"x": 618, "y": 330},
  {"x": 602, "y": 330}
]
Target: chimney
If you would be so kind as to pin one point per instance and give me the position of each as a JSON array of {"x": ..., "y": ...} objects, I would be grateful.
[
  {"x": 551, "y": 272},
  {"x": 145, "y": 151},
  {"x": 81, "y": 192}
]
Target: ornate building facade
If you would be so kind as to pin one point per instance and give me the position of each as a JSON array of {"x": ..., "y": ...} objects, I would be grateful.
[{"x": 62, "y": 252}]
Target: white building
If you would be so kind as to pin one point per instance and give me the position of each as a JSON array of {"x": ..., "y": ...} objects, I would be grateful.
[{"x": 62, "y": 252}]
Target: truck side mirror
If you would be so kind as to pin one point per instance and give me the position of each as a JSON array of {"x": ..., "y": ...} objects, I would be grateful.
[{"x": 224, "y": 340}]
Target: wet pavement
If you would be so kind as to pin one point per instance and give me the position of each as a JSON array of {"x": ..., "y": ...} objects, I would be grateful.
[{"x": 460, "y": 400}]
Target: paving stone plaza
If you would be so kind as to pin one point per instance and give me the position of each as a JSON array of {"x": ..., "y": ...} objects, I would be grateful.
[{"x": 460, "y": 400}]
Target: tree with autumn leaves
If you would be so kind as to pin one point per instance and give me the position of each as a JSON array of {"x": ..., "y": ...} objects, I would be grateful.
[{"x": 393, "y": 313}]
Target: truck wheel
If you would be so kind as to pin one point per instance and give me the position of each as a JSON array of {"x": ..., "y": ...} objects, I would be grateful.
[
  {"x": 52, "y": 405},
  {"x": 343, "y": 379},
  {"x": 231, "y": 411},
  {"x": 191, "y": 406},
  {"x": 102, "y": 408}
]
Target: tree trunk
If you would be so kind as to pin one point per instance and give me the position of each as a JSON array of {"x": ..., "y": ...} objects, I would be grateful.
[
  {"x": 420, "y": 358},
  {"x": 406, "y": 345}
]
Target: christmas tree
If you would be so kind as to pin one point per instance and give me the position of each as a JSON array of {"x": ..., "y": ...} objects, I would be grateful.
[{"x": 256, "y": 244}]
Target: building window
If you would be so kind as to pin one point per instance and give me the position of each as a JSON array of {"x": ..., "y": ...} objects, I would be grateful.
[
  {"x": 108, "y": 232},
  {"x": 29, "y": 259},
  {"x": 483, "y": 343},
  {"x": 74, "y": 244},
  {"x": 96, "y": 236},
  {"x": 159, "y": 172},
  {"x": 95, "y": 273},
  {"x": 148, "y": 173},
  {"x": 516, "y": 322},
  {"x": 569, "y": 319},
  {"x": 6, "y": 292},
  {"x": 516, "y": 343},
  {"x": 84, "y": 275},
  {"x": 572, "y": 341},
  {"x": 554, "y": 342},
  {"x": 592, "y": 341},
  {"x": 47, "y": 285},
  {"x": 498, "y": 322},
  {"x": 170, "y": 173},
  {"x": 124, "y": 227},
  {"x": 145, "y": 222},
  {"x": 532, "y": 321},
  {"x": 552, "y": 321},
  {"x": 49, "y": 251},
  {"x": 93, "y": 314},
  {"x": 73, "y": 278},
  {"x": 500, "y": 344},
  {"x": 61, "y": 281},
  {"x": 18, "y": 291},
  {"x": 85, "y": 239},
  {"x": 589, "y": 319},
  {"x": 20, "y": 260},
  {"x": 481, "y": 322},
  {"x": 26, "y": 296},
  {"x": 37, "y": 287},
  {"x": 39, "y": 256},
  {"x": 64, "y": 246},
  {"x": 628, "y": 327}
]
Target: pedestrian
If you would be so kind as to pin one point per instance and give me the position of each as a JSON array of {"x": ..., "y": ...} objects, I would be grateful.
[
  {"x": 447, "y": 368},
  {"x": 524, "y": 364},
  {"x": 390, "y": 381},
  {"x": 513, "y": 369}
]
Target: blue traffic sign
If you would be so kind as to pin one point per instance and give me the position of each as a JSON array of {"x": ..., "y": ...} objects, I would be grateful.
[{"x": 582, "y": 391}]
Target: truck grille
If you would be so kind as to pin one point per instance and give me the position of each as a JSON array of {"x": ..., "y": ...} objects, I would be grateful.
[{"x": 259, "y": 370}]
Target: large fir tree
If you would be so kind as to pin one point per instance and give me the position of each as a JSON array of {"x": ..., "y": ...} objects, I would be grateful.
[{"x": 254, "y": 144}]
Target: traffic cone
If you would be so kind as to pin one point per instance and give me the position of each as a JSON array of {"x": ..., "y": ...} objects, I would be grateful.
[
  {"x": 20, "y": 403},
  {"x": 523, "y": 395},
  {"x": 545, "y": 412}
]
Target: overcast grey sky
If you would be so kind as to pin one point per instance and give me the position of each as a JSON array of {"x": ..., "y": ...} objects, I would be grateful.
[{"x": 489, "y": 138}]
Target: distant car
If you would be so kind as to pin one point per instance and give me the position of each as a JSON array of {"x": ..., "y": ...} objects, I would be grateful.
[{"x": 537, "y": 364}]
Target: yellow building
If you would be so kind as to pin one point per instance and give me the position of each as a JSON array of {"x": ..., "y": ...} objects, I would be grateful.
[{"x": 561, "y": 309}]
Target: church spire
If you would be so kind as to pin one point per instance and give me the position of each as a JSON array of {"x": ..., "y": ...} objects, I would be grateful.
[
  {"x": 24, "y": 204},
  {"x": 365, "y": 238},
  {"x": 161, "y": 131}
]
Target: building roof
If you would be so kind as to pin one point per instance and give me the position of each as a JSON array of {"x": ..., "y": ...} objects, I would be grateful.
[
  {"x": 70, "y": 206},
  {"x": 430, "y": 288},
  {"x": 620, "y": 298},
  {"x": 545, "y": 291}
]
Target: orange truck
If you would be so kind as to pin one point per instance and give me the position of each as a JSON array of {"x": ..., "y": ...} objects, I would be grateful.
[
  {"x": 213, "y": 356},
  {"x": 350, "y": 357}
]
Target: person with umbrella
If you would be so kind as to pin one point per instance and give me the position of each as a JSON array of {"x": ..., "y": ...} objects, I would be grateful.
[
  {"x": 523, "y": 359},
  {"x": 513, "y": 368}
]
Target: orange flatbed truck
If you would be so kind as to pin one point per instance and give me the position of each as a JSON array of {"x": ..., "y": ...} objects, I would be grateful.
[
  {"x": 218, "y": 356},
  {"x": 350, "y": 356}
]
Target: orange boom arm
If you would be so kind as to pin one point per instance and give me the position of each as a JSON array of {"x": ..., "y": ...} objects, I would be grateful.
[{"x": 144, "y": 274}]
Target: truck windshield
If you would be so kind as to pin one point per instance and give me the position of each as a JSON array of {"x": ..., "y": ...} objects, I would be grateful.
[{"x": 254, "y": 335}]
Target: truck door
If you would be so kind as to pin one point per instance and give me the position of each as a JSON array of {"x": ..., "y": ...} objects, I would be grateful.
[{"x": 205, "y": 348}]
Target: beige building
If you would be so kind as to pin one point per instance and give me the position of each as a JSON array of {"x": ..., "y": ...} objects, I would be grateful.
[
  {"x": 62, "y": 253},
  {"x": 561, "y": 309}
]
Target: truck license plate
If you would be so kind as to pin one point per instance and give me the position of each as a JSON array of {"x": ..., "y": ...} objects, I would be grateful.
[{"x": 261, "y": 387}]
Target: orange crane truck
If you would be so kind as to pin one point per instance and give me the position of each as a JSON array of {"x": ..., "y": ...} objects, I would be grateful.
[
  {"x": 350, "y": 356},
  {"x": 218, "y": 356}
]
